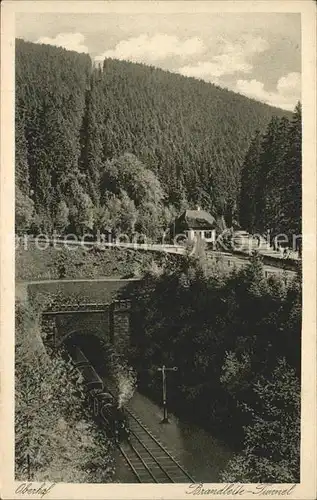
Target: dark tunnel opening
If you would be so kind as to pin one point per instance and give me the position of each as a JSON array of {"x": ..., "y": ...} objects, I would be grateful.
[{"x": 96, "y": 350}]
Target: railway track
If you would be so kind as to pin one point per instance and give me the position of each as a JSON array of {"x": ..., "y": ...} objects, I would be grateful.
[{"x": 148, "y": 459}]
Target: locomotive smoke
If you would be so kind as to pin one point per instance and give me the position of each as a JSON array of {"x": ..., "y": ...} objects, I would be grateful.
[
  {"x": 126, "y": 387},
  {"x": 123, "y": 376}
]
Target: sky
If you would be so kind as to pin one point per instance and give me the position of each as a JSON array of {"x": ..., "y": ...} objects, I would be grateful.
[{"x": 255, "y": 54}]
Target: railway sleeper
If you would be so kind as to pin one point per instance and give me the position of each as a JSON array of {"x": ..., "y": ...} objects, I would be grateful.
[
  {"x": 181, "y": 479},
  {"x": 157, "y": 457}
]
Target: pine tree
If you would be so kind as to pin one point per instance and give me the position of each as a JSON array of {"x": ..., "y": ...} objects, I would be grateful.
[
  {"x": 270, "y": 176},
  {"x": 249, "y": 184},
  {"x": 292, "y": 192},
  {"x": 266, "y": 166},
  {"x": 21, "y": 161},
  {"x": 91, "y": 158},
  {"x": 275, "y": 180}
]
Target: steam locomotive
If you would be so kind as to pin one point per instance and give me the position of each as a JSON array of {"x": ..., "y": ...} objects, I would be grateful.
[{"x": 105, "y": 407}]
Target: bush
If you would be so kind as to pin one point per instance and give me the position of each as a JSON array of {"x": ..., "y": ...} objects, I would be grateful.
[{"x": 271, "y": 451}]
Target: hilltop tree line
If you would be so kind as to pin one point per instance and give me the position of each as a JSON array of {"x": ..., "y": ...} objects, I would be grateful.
[
  {"x": 271, "y": 193},
  {"x": 123, "y": 146},
  {"x": 236, "y": 340}
]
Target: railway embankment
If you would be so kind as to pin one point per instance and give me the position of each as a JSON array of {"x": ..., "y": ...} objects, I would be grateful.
[{"x": 44, "y": 262}]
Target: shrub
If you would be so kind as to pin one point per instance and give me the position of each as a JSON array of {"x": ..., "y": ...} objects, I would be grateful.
[{"x": 271, "y": 451}]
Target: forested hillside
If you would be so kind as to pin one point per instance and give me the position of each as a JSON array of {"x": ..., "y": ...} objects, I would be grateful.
[
  {"x": 236, "y": 340},
  {"x": 271, "y": 190},
  {"x": 125, "y": 146}
]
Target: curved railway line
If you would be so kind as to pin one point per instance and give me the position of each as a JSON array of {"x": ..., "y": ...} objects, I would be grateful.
[{"x": 148, "y": 459}]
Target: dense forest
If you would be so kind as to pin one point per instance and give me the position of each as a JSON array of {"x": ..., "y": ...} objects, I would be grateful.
[
  {"x": 124, "y": 146},
  {"x": 236, "y": 342},
  {"x": 271, "y": 192}
]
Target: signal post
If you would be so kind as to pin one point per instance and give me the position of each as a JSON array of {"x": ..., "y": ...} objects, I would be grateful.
[{"x": 164, "y": 369}]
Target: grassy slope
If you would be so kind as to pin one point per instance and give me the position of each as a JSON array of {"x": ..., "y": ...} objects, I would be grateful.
[{"x": 54, "y": 263}]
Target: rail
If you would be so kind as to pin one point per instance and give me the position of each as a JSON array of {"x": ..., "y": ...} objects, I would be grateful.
[{"x": 148, "y": 459}]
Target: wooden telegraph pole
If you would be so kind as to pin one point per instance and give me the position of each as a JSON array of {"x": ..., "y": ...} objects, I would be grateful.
[{"x": 164, "y": 369}]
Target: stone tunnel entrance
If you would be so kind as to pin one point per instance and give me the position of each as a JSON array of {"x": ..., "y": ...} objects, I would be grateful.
[
  {"x": 108, "y": 322},
  {"x": 102, "y": 308}
]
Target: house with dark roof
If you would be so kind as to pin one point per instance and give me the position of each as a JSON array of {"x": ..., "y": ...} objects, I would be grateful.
[{"x": 195, "y": 224}]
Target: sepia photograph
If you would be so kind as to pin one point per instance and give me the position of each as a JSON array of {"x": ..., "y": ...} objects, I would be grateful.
[{"x": 159, "y": 248}]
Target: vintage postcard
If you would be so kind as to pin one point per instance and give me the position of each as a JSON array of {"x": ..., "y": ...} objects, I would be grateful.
[{"x": 158, "y": 249}]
